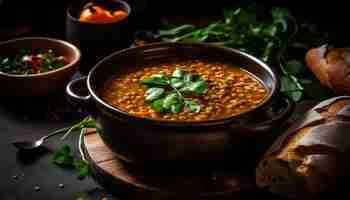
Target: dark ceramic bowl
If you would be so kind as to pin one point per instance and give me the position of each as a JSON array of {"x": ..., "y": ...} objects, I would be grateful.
[
  {"x": 41, "y": 84},
  {"x": 144, "y": 140},
  {"x": 98, "y": 40}
]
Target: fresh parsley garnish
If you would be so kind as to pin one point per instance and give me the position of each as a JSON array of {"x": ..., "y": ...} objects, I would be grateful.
[
  {"x": 63, "y": 157},
  {"x": 170, "y": 93}
]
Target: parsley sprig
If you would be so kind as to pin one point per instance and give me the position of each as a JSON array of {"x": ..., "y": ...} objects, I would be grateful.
[
  {"x": 63, "y": 157},
  {"x": 171, "y": 93}
]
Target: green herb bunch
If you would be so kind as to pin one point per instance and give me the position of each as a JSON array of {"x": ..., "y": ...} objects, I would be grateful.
[
  {"x": 276, "y": 39},
  {"x": 170, "y": 93},
  {"x": 241, "y": 29}
]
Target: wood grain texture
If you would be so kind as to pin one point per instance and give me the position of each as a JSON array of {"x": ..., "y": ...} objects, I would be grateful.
[{"x": 161, "y": 183}]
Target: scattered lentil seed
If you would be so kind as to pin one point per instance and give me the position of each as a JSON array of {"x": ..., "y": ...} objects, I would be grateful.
[{"x": 37, "y": 188}]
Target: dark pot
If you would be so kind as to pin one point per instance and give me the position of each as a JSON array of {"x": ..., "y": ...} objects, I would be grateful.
[
  {"x": 144, "y": 140},
  {"x": 96, "y": 41}
]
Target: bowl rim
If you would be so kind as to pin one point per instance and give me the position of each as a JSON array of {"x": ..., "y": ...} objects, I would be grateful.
[
  {"x": 75, "y": 19},
  {"x": 77, "y": 56},
  {"x": 268, "y": 99}
]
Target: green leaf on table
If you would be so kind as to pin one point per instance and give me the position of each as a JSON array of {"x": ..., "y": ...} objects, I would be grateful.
[
  {"x": 281, "y": 16},
  {"x": 63, "y": 157},
  {"x": 177, "y": 30},
  {"x": 240, "y": 16},
  {"x": 192, "y": 105},
  {"x": 156, "y": 80},
  {"x": 294, "y": 67},
  {"x": 270, "y": 30},
  {"x": 153, "y": 94},
  {"x": 83, "y": 168},
  {"x": 230, "y": 14},
  {"x": 291, "y": 89}
]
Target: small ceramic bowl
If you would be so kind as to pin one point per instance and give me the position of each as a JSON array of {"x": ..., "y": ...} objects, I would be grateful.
[
  {"x": 98, "y": 40},
  {"x": 41, "y": 84}
]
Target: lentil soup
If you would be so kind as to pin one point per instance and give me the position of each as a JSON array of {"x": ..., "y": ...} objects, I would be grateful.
[{"x": 228, "y": 91}]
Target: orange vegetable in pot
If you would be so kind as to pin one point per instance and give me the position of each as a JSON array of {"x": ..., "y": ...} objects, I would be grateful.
[{"x": 99, "y": 15}]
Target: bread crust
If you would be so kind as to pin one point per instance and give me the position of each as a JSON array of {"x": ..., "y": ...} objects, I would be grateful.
[
  {"x": 331, "y": 67},
  {"x": 310, "y": 157}
]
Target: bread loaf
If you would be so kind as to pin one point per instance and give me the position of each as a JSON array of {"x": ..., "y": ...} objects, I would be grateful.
[
  {"x": 312, "y": 156},
  {"x": 331, "y": 67}
]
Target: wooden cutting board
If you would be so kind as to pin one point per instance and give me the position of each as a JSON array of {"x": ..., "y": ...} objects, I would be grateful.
[{"x": 138, "y": 182}]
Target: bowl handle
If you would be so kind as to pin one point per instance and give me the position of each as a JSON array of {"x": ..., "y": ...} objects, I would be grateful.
[
  {"x": 279, "y": 111},
  {"x": 77, "y": 91}
]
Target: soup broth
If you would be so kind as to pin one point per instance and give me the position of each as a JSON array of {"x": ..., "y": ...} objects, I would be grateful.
[{"x": 229, "y": 91}]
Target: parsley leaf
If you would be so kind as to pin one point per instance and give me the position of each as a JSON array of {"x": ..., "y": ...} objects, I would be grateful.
[
  {"x": 192, "y": 105},
  {"x": 156, "y": 80},
  {"x": 291, "y": 89},
  {"x": 153, "y": 93},
  {"x": 157, "y": 105},
  {"x": 63, "y": 157},
  {"x": 171, "y": 103},
  {"x": 83, "y": 168},
  {"x": 178, "y": 73},
  {"x": 294, "y": 67},
  {"x": 176, "y": 83},
  {"x": 198, "y": 87}
]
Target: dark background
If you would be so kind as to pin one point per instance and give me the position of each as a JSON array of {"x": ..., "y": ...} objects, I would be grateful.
[
  {"x": 48, "y": 17},
  {"x": 31, "y": 118}
]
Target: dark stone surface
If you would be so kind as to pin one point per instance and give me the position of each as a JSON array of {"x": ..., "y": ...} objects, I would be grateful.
[{"x": 30, "y": 119}]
